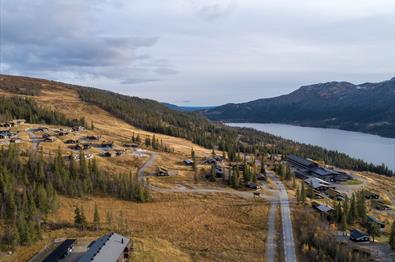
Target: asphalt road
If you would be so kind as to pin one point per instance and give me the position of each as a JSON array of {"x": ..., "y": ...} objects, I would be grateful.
[
  {"x": 146, "y": 165},
  {"x": 289, "y": 244},
  {"x": 271, "y": 245},
  {"x": 34, "y": 138}
]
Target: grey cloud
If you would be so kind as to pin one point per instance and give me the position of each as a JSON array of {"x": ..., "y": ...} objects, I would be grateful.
[
  {"x": 132, "y": 81},
  {"x": 61, "y": 36},
  {"x": 215, "y": 10}
]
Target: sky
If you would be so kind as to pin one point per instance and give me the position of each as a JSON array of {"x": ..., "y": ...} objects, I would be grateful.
[{"x": 199, "y": 52}]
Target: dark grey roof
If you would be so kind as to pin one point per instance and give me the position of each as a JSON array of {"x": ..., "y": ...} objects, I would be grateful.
[
  {"x": 107, "y": 248},
  {"x": 375, "y": 220},
  {"x": 357, "y": 234},
  {"x": 319, "y": 171},
  {"x": 60, "y": 251},
  {"x": 300, "y": 160}
]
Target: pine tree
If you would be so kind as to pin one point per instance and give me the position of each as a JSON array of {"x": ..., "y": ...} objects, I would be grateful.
[
  {"x": 83, "y": 219},
  {"x": 96, "y": 217},
  {"x": 92, "y": 125},
  {"x": 77, "y": 217},
  {"x": 303, "y": 194},
  {"x": 213, "y": 173},
  {"x": 392, "y": 236},
  {"x": 373, "y": 230},
  {"x": 109, "y": 218},
  {"x": 352, "y": 214}
]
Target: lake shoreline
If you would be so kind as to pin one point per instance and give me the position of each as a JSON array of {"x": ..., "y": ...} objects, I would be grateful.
[{"x": 367, "y": 147}]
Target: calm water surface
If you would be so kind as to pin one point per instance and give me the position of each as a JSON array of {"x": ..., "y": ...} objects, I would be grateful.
[{"x": 371, "y": 148}]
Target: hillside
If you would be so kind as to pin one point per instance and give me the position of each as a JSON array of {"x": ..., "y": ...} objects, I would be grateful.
[
  {"x": 367, "y": 107},
  {"x": 181, "y": 217},
  {"x": 149, "y": 115}
]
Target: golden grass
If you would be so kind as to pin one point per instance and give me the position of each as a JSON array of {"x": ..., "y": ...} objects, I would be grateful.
[{"x": 215, "y": 227}]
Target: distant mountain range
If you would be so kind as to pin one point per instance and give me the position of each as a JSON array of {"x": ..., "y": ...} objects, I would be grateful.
[
  {"x": 368, "y": 107},
  {"x": 187, "y": 108}
]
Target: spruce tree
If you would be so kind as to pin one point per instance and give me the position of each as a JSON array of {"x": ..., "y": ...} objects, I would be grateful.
[
  {"x": 96, "y": 217},
  {"x": 392, "y": 236}
]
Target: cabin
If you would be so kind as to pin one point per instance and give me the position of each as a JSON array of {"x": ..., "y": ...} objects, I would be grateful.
[
  {"x": 49, "y": 139},
  {"x": 380, "y": 205},
  {"x": 120, "y": 152},
  {"x": 162, "y": 172},
  {"x": 334, "y": 194},
  {"x": 370, "y": 195},
  {"x": 77, "y": 128},
  {"x": 188, "y": 162},
  {"x": 108, "y": 154},
  {"x": 374, "y": 220},
  {"x": 41, "y": 129},
  {"x": 133, "y": 145},
  {"x": 219, "y": 172},
  {"x": 252, "y": 185},
  {"x": 211, "y": 161},
  {"x": 107, "y": 144},
  {"x": 3, "y": 136},
  {"x": 261, "y": 177},
  {"x": 324, "y": 210},
  {"x": 93, "y": 138},
  {"x": 61, "y": 252},
  {"x": 108, "y": 248},
  {"x": 83, "y": 146},
  {"x": 358, "y": 236},
  {"x": 72, "y": 141},
  {"x": 63, "y": 133},
  {"x": 5, "y": 124},
  {"x": 14, "y": 140},
  {"x": 317, "y": 184}
]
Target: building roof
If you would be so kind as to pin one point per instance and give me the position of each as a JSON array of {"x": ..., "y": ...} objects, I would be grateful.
[
  {"x": 357, "y": 234},
  {"x": 60, "y": 251},
  {"x": 375, "y": 220},
  {"x": 319, "y": 171},
  {"x": 316, "y": 182},
  {"x": 300, "y": 160},
  {"x": 107, "y": 248},
  {"x": 324, "y": 208}
]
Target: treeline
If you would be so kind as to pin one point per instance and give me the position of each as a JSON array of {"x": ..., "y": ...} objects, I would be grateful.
[
  {"x": 21, "y": 85},
  {"x": 25, "y": 199},
  {"x": 83, "y": 177},
  {"x": 155, "y": 117},
  {"x": 152, "y": 142},
  {"x": 27, "y": 108},
  {"x": 29, "y": 186}
]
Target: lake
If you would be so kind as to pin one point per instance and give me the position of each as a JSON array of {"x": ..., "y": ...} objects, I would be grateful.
[{"x": 370, "y": 148}]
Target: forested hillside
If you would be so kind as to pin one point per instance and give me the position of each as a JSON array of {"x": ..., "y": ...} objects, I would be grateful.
[
  {"x": 30, "y": 183},
  {"x": 153, "y": 116},
  {"x": 366, "y": 107},
  {"x": 27, "y": 108}
]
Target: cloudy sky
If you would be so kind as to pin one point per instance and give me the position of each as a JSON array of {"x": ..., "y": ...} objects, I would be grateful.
[{"x": 199, "y": 52}]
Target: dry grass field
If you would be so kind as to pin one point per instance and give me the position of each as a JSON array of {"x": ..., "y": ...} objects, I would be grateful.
[
  {"x": 175, "y": 226},
  {"x": 214, "y": 227}
]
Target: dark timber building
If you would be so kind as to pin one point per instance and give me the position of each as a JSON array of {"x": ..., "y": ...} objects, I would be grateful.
[
  {"x": 306, "y": 168},
  {"x": 61, "y": 251}
]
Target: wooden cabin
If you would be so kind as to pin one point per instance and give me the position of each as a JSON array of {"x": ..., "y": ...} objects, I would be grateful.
[{"x": 162, "y": 171}]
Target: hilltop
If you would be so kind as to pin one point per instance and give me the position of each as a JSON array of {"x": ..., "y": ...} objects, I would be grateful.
[{"x": 367, "y": 107}]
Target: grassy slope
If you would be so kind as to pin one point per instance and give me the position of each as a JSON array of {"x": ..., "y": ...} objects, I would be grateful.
[{"x": 174, "y": 227}]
